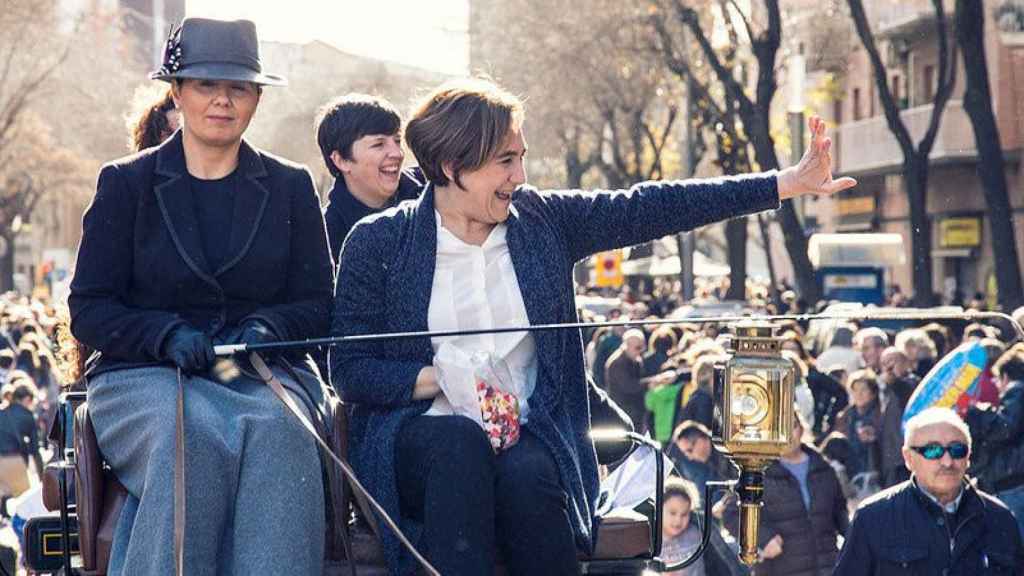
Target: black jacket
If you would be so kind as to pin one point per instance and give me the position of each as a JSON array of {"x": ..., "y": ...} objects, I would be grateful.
[
  {"x": 141, "y": 270},
  {"x": 700, "y": 407},
  {"x": 343, "y": 209},
  {"x": 809, "y": 536},
  {"x": 902, "y": 531},
  {"x": 997, "y": 458},
  {"x": 829, "y": 400},
  {"x": 18, "y": 432},
  {"x": 890, "y": 444}
]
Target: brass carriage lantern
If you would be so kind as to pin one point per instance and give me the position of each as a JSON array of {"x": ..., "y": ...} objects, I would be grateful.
[{"x": 753, "y": 417}]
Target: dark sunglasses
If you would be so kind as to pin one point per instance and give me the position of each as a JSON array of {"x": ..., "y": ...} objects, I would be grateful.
[{"x": 957, "y": 451}]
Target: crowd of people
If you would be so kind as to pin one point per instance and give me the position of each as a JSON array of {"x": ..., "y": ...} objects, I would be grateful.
[
  {"x": 200, "y": 239},
  {"x": 853, "y": 385}
]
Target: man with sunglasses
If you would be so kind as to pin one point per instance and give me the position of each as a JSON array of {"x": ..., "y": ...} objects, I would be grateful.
[{"x": 936, "y": 522}]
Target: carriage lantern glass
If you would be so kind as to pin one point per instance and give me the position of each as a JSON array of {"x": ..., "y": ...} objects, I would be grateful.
[{"x": 753, "y": 417}]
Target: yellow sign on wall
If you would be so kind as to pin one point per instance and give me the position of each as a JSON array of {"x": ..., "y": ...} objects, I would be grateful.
[
  {"x": 960, "y": 232},
  {"x": 608, "y": 269},
  {"x": 857, "y": 205}
]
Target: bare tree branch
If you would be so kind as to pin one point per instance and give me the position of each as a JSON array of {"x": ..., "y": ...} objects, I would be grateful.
[
  {"x": 892, "y": 112},
  {"x": 947, "y": 78}
]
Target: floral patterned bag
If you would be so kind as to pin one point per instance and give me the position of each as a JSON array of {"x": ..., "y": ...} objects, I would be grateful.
[{"x": 480, "y": 387}]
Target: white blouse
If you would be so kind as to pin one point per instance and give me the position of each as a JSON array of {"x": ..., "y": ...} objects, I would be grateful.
[{"x": 475, "y": 287}]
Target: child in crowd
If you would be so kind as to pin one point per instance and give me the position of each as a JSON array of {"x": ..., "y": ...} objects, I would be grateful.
[{"x": 680, "y": 536}]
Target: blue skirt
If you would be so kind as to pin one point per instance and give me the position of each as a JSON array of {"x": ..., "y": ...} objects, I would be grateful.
[{"x": 254, "y": 491}]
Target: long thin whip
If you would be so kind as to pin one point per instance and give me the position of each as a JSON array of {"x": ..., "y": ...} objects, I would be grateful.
[{"x": 908, "y": 314}]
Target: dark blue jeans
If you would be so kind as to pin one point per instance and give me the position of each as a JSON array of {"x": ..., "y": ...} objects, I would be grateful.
[{"x": 473, "y": 502}]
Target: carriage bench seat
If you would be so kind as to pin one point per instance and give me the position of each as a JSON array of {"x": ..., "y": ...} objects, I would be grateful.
[{"x": 622, "y": 536}]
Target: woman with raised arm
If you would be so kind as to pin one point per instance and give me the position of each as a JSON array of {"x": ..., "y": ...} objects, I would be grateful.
[
  {"x": 200, "y": 241},
  {"x": 481, "y": 249}
]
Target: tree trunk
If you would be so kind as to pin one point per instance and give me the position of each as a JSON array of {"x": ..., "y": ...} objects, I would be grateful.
[
  {"x": 970, "y": 28},
  {"x": 915, "y": 159},
  {"x": 792, "y": 231},
  {"x": 7, "y": 264},
  {"x": 915, "y": 171},
  {"x": 574, "y": 170},
  {"x": 736, "y": 239},
  {"x": 773, "y": 281}
]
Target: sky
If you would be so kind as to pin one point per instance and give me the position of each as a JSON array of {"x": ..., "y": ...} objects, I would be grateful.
[{"x": 425, "y": 33}]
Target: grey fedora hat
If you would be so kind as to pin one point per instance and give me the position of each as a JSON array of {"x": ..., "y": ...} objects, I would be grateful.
[{"x": 214, "y": 50}]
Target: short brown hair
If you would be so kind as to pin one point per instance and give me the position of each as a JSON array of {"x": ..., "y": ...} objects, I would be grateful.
[
  {"x": 1010, "y": 363},
  {"x": 461, "y": 124},
  {"x": 867, "y": 376}
]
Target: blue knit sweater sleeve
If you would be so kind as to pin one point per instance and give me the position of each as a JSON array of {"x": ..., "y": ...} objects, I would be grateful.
[
  {"x": 367, "y": 373},
  {"x": 594, "y": 221}
]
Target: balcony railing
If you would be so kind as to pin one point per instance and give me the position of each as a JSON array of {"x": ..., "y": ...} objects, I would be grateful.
[{"x": 868, "y": 146}]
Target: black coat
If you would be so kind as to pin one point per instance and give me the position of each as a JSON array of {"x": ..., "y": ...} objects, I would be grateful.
[
  {"x": 997, "y": 458},
  {"x": 829, "y": 400},
  {"x": 901, "y": 531},
  {"x": 809, "y": 537},
  {"x": 700, "y": 407},
  {"x": 141, "y": 270},
  {"x": 343, "y": 209}
]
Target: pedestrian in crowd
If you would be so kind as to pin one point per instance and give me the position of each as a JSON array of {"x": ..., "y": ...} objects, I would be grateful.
[
  {"x": 700, "y": 406},
  {"x": 156, "y": 120},
  {"x": 538, "y": 494},
  {"x": 942, "y": 339},
  {"x": 695, "y": 457},
  {"x": 803, "y": 398},
  {"x": 870, "y": 342},
  {"x": 901, "y": 383},
  {"x": 680, "y": 533},
  {"x": 623, "y": 374},
  {"x": 988, "y": 387},
  {"x": 840, "y": 351},
  {"x": 19, "y": 438},
  {"x": 918, "y": 348},
  {"x": 660, "y": 345},
  {"x": 999, "y": 435},
  {"x": 936, "y": 522},
  {"x": 607, "y": 343},
  {"x": 1018, "y": 315},
  {"x": 360, "y": 138},
  {"x": 6, "y": 363},
  {"x": 830, "y": 397},
  {"x": 804, "y": 512},
  {"x": 590, "y": 352},
  {"x": 661, "y": 401},
  {"x": 861, "y": 422},
  {"x": 201, "y": 240},
  {"x": 839, "y": 374},
  {"x": 976, "y": 331}
]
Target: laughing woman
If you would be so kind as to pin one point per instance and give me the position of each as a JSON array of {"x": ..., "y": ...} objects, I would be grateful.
[
  {"x": 481, "y": 249},
  {"x": 205, "y": 240}
]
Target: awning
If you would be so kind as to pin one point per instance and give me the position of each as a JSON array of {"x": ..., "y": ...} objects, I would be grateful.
[
  {"x": 879, "y": 249},
  {"x": 669, "y": 266},
  {"x": 953, "y": 253}
]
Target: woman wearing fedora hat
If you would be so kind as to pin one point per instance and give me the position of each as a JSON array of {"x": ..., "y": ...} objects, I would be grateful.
[{"x": 205, "y": 240}]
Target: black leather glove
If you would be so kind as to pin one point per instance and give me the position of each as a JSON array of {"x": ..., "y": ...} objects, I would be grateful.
[
  {"x": 189, "y": 349},
  {"x": 255, "y": 332}
]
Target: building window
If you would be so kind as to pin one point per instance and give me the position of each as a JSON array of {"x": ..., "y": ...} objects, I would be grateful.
[
  {"x": 856, "y": 104},
  {"x": 928, "y": 84}
]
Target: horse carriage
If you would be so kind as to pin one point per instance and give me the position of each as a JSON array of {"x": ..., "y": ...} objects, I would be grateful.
[
  {"x": 87, "y": 498},
  {"x": 753, "y": 391}
]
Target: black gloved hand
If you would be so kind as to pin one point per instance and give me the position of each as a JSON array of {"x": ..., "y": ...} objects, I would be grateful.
[
  {"x": 255, "y": 332},
  {"x": 189, "y": 349}
]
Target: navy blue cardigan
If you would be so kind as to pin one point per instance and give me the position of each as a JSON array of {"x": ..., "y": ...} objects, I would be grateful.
[{"x": 384, "y": 282}]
